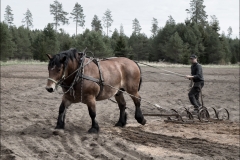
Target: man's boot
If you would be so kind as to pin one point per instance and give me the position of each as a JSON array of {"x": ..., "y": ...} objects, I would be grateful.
[{"x": 195, "y": 111}]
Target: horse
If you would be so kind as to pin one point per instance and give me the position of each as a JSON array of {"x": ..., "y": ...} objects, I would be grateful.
[{"x": 87, "y": 80}]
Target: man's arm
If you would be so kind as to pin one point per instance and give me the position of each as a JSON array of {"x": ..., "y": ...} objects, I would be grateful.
[
  {"x": 189, "y": 77},
  {"x": 198, "y": 75}
]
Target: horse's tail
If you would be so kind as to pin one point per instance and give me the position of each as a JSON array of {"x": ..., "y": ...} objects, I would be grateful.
[{"x": 140, "y": 82}]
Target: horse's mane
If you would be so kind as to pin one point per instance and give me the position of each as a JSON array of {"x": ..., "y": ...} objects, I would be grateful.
[{"x": 56, "y": 59}]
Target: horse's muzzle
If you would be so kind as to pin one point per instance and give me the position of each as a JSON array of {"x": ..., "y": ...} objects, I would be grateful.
[{"x": 49, "y": 89}]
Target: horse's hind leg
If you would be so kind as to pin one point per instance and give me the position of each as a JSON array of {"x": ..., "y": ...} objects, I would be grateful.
[
  {"x": 138, "y": 112},
  {"x": 122, "y": 106}
]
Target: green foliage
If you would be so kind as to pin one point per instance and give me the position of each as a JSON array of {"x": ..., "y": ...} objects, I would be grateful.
[
  {"x": 214, "y": 23},
  {"x": 8, "y": 16},
  {"x": 94, "y": 41},
  {"x": 59, "y": 15},
  {"x": 28, "y": 20},
  {"x": 197, "y": 12},
  {"x": 96, "y": 24},
  {"x": 107, "y": 20},
  {"x": 174, "y": 48},
  {"x": 139, "y": 46},
  {"x": 114, "y": 38},
  {"x": 45, "y": 43},
  {"x": 234, "y": 48},
  {"x": 7, "y": 45},
  {"x": 121, "y": 30},
  {"x": 174, "y": 42},
  {"x": 136, "y": 26},
  {"x": 155, "y": 28},
  {"x": 78, "y": 16},
  {"x": 120, "y": 49},
  {"x": 65, "y": 41}
]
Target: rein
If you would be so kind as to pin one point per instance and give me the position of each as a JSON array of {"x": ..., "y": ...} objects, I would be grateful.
[{"x": 79, "y": 76}]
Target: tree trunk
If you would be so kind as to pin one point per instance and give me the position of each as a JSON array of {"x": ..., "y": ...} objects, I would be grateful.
[
  {"x": 76, "y": 27},
  {"x": 107, "y": 30}
]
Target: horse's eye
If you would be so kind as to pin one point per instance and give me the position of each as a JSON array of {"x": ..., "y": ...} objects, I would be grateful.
[{"x": 59, "y": 70}]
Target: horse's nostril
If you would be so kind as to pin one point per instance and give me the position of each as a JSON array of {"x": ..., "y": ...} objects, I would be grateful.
[{"x": 49, "y": 89}]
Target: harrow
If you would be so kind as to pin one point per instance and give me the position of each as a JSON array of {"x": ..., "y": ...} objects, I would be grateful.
[{"x": 202, "y": 116}]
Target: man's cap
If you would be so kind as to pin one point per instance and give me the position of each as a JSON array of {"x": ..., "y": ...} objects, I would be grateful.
[{"x": 193, "y": 56}]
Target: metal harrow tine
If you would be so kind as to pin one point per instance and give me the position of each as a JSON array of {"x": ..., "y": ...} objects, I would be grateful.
[
  {"x": 203, "y": 114},
  {"x": 178, "y": 115},
  {"x": 228, "y": 116},
  {"x": 216, "y": 112},
  {"x": 190, "y": 116},
  {"x": 223, "y": 116}
]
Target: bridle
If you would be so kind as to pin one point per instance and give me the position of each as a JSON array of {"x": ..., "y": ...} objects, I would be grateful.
[
  {"x": 59, "y": 82},
  {"x": 79, "y": 76},
  {"x": 63, "y": 78}
]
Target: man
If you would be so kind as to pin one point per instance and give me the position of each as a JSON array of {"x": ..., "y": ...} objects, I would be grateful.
[{"x": 197, "y": 77}]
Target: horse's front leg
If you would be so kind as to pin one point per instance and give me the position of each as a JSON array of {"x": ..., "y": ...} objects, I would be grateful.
[
  {"x": 92, "y": 112},
  {"x": 62, "y": 113}
]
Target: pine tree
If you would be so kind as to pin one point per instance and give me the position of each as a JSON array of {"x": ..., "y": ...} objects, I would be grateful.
[
  {"x": 6, "y": 43},
  {"x": 197, "y": 12},
  {"x": 154, "y": 29},
  {"x": 174, "y": 49},
  {"x": 65, "y": 41},
  {"x": 213, "y": 48},
  {"x": 107, "y": 20},
  {"x": 229, "y": 32},
  {"x": 170, "y": 21},
  {"x": 96, "y": 24},
  {"x": 28, "y": 20},
  {"x": 56, "y": 10},
  {"x": 94, "y": 41},
  {"x": 214, "y": 23},
  {"x": 121, "y": 30},
  {"x": 120, "y": 49},
  {"x": 78, "y": 16},
  {"x": 8, "y": 16},
  {"x": 139, "y": 46},
  {"x": 23, "y": 44},
  {"x": 114, "y": 38},
  {"x": 45, "y": 43},
  {"x": 136, "y": 26}
]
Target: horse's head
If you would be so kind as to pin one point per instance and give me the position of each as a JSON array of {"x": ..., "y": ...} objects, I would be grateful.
[{"x": 56, "y": 69}]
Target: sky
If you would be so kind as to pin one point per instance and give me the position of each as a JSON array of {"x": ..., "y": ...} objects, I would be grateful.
[{"x": 124, "y": 11}]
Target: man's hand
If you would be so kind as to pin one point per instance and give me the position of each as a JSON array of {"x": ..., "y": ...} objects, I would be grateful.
[{"x": 189, "y": 77}]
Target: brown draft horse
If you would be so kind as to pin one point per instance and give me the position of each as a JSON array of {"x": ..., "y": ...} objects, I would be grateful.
[{"x": 121, "y": 73}]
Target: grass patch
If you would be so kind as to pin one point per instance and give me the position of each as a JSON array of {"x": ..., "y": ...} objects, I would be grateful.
[
  {"x": 155, "y": 64},
  {"x": 171, "y": 65},
  {"x": 22, "y": 62}
]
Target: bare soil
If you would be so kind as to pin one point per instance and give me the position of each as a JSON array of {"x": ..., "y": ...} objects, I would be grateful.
[{"x": 29, "y": 114}]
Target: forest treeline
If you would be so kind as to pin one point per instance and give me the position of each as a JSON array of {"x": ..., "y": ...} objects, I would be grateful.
[{"x": 174, "y": 42}]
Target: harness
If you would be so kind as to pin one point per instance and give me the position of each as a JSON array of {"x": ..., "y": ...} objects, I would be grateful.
[{"x": 80, "y": 76}]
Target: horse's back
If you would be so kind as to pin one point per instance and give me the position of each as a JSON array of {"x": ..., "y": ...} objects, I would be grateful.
[{"x": 124, "y": 71}]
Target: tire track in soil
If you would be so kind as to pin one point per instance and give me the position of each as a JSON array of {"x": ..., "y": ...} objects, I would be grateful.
[{"x": 197, "y": 146}]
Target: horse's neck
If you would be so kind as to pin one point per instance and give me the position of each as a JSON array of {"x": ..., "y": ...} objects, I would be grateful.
[{"x": 71, "y": 67}]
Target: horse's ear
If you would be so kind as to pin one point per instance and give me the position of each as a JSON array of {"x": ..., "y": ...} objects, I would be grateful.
[
  {"x": 49, "y": 56},
  {"x": 63, "y": 59}
]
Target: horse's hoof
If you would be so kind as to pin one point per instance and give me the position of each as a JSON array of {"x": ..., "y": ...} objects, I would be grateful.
[
  {"x": 120, "y": 124},
  {"x": 59, "y": 127},
  {"x": 59, "y": 132},
  {"x": 93, "y": 130},
  {"x": 144, "y": 122}
]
